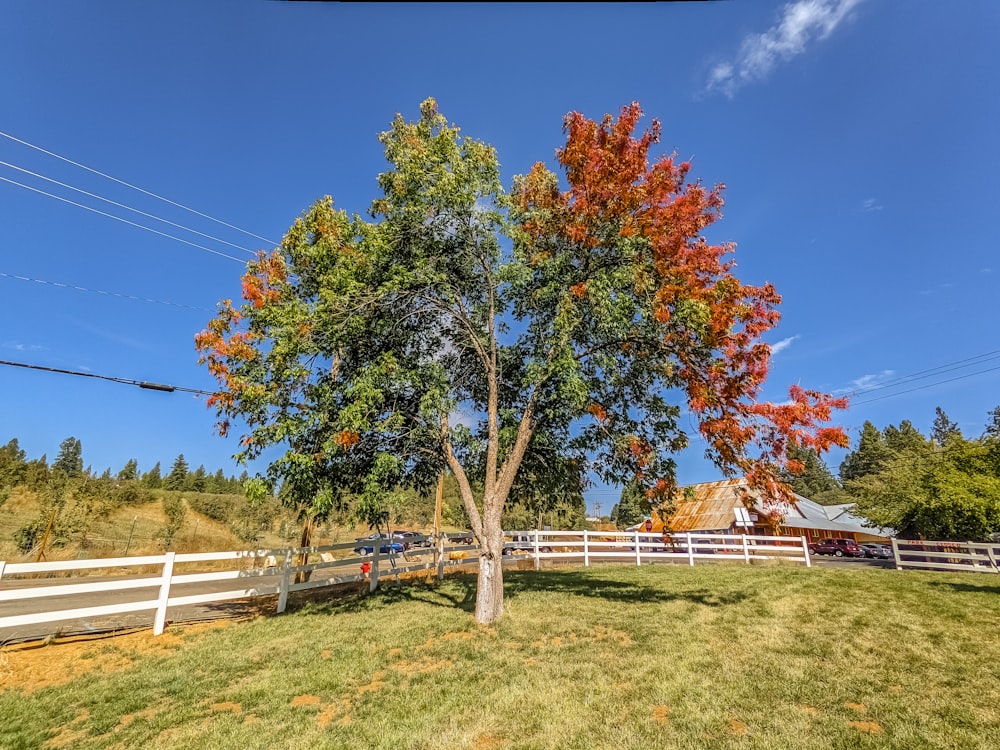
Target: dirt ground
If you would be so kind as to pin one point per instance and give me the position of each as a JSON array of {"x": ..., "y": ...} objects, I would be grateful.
[{"x": 33, "y": 666}]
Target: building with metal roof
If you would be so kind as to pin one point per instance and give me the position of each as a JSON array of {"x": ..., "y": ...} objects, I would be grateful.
[{"x": 720, "y": 508}]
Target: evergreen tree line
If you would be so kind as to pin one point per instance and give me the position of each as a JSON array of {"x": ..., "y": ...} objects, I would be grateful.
[
  {"x": 36, "y": 474},
  {"x": 940, "y": 486}
]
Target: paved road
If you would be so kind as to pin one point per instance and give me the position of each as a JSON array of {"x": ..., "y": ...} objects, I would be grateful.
[
  {"x": 144, "y": 619},
  {"x": 197, "y": 612}
]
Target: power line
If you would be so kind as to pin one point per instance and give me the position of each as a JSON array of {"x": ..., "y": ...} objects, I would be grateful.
[
  {"x": 929, "y": 385},
  {"x": 127, "y": 208},
  {"x": 931, "y": 372},
  {"x": 124, "y": 381},
  {"x": 134, "y": 187},
  {"x": 109, "y": 294},
  {"x": 124, "y": 221}
]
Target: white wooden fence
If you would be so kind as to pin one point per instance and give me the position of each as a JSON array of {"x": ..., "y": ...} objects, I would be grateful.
[
  {"x": 928, "y": 555},
  {"x": 643, "y": 547},
  {"x": 266, "y": 572},
  {"x": 254, "y": 573}
]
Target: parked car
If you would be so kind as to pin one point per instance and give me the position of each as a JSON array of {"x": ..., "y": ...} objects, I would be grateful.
[
  {"x": 411, "y": 539},
  {"x": 879, "y": 551},
  {"x": 523, "y": 544},
  {"x": 837, "y": 547},
  {"x": 366, "y": 545}
]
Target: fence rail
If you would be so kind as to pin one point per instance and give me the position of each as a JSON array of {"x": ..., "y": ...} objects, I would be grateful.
[
  {"x": 933, "y": 555},
  {"x": 266, "y": 572}
]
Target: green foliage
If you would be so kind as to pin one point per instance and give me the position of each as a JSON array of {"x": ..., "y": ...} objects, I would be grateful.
[
  {"x": 868, "y": 458},
  {"x": 948, "y": 491},
  {"x": 177, "y": 479},
  {"x": 815, "y": 482},
  {"x": 29, "y": 535},
  {"x": 152, "y": 479},
  {"x": 993, "y": 425},
  {"x": 130, "y": 471},
  {"x": 632, "y": 506},
  {"x": 943, "y": 428},
  {"x": 175, "y": 510},
  {"x": 12, "y": 464},
  {"x": 70, "y": 458}
]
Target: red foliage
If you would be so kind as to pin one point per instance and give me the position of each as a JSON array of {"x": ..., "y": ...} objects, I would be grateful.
[{"x": 722, "y": 364}]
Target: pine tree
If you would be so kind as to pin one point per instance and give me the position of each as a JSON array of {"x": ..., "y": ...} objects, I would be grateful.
[
  {"x": 130, "y": 471},
  {"x": 904, "y": 438},
  {"x": 152, "y": 479},
  {"x": 198, "y": 479},
  {"x": 870, "y": 455},
  {"x": 70, "y": 458},
  {"x": 993, "y": 426},
  {"x": 815, "y": 482},
  {"x": 943, "y": 428},
  {"x": 177, "y": 478}
]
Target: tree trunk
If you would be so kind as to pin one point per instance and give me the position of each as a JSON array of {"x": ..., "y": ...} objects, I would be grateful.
[{"x": 489, "y": 596}]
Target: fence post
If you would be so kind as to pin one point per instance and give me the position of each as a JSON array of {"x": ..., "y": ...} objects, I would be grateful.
[
  {"x": 746, "y": 548},
  {"x": 538, "y": 560},
  {"x": 376, "y": 548},
  {"x": 3, "y": 564},
  {"x": 638, "y": 551},
  {"x": 690, "y": 547},
  {"x": 805, "y": 551},
  {"x": 440, "y": 556},
  {"x": 586, "y": 552},
  {"x": 160, "y": 620},
  {"x": 895, "y": 553},
  {"x": 286, "y": 574}
]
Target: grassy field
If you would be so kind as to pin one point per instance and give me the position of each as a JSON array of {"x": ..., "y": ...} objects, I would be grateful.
[{"x": 716, "y": 656}]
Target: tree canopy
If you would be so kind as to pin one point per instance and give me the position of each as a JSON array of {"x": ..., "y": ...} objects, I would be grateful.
[
  {"x": 466, "y": 327},
  {"x": 945, "y": 487}
]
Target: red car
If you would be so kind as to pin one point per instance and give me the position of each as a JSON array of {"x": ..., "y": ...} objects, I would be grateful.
[{"x": 837, "y": 547}]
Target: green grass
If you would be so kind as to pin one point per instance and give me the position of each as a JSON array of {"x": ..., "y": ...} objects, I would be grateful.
[{"x": 716, "y": 656}]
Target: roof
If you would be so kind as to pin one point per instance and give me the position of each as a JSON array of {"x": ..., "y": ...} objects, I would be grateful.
[{"x": 710, "y": 506}]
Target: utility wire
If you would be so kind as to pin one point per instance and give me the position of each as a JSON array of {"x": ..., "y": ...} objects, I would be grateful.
[
  {"x": 109, "y": 294},
  {"x": 127, "y": 208},
  {"x": 125, "y": 381},
  {"x": 922, "y": 374},
  {"x": 124, "y": 221},
  {"x": 134, "y": 187},
  {"x": 929, "y": 385}
]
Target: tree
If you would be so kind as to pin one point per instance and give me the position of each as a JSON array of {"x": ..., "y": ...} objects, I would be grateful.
[
  {"x": 152, "y": 479},
  {"x": 868, "y": 458},
  {"x": 906, "y": 437},
  {"x": 813, "y": 478},
  {"x": 950, "y": 493},
  {"x": 70, "y": 458},
  {"x": 12, "y": 464},
  {"x": 993, "y": 426},
  {"x": 198, "y": 479},
  {"x": 631, "y": 507},
  {"x": 943, "y": 427},
  {"x": 178, "y": 476},
  {"x": 130, "y": 471},
  {"x": 462, "y": 324}
]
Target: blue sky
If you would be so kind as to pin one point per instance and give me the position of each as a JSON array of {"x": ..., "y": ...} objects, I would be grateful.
[{"x": 857, "y": 140}]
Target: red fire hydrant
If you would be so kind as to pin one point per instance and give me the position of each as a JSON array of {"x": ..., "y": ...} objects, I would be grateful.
[{"x": 366, "y": 568}]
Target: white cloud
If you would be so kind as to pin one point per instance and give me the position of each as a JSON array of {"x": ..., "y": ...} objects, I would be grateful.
[
  {"x": 865, "y": 382},
  {"x": 872, "y": 204},
  {"x": 782, "y": 345},
  {"x": 801, "y": 22}
]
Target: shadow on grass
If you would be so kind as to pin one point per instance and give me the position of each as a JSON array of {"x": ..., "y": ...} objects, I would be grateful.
[
  {"x": 459, "y": 592},
  {"x": 967, "y": 587},
  {"x": 583, "y": 584}
]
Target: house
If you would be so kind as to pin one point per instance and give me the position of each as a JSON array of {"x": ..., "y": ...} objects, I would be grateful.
[{"x": 715, "y": 507}]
